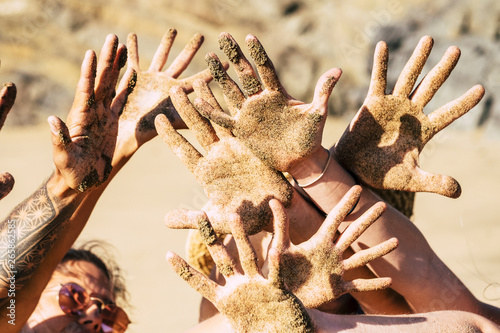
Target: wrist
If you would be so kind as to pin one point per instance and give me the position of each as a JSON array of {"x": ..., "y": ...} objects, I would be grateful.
[
  {"x": 58, "y": 188},
  {"x": 312, "y": 167},
  {"x": 127, "y": 142}
]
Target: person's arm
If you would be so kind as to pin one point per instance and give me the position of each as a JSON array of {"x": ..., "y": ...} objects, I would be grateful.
[
  {"x": 292, "y": 142},
  {"x": 440, "y": 321},
  {"x": 414, "y": 261},
  {"x": 82, "y": 151},
  {"x": 248, "y": 302},
  {"x": 7, "y": 98}
]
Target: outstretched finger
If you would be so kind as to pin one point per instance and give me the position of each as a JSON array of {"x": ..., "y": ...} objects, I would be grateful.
[
  {"x": 125, "y": 87},
  {"x": 324, "y": 88},
  {"x": 218, "y": 251},
  {"x": 363, "y": 257},
  {"x": 179, "y": 145},
  {"x": 161, "y": 54},
  {"x": 195, "y": 279},
  {"x": 184, "y": 58},
  {"x": 7, "y": 98},
  {"x": 413, "y": 67},
  {"x": 248, "y": 79},
  {"x": 120, "y": 60},
  {"x": 84, "y": 96},
  {"x": 281, "y": 239},
  {"x": 248, "y": 257},
  {"x": 360, "y": 285},
  {"x": 359, "y": 226},
  {"x": 453, "y": 110},
  {"x": 332, "y": 222},
  {"x": 200, "y": 126},
  {"x": 6, "y": 184},
  {"x": 204, "y": 75},
  {"x": 133, "y": 51},
  {"x": 378, "y": 81},
  {"x": 106, "y": 76},
  {"x": 424, "y": 181},
  {"x": 436, "y": 77},
  {"x": 232, "y": 94},
  {"x": 183, "y": 219},
  {"x": 264, "y": 65}
]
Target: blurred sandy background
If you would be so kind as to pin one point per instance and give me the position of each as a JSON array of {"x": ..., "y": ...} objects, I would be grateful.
[{"x": 42, "y": 44}]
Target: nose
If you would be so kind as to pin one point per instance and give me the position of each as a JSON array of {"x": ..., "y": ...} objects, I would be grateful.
[{"x": 91, "y": 318}]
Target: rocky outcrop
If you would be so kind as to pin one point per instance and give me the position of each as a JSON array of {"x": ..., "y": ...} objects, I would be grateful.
[{"x": 42, "y": 44}]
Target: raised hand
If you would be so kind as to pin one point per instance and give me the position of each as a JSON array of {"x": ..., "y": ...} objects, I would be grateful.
[
  {"x": 234, "y": 179},
  {"x": 83, "y": 146},
  {"x": 279, "y": 129},
  {"x": 249, "y": 301},
  {"x": 7, "y": 98},
  {"x": 150, "y": 95},
  {"x": 314, "y": 270},
  {"x": 383, "y": 141}
]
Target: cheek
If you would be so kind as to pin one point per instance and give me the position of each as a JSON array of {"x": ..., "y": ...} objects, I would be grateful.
[{"x": 48, "y": 316}]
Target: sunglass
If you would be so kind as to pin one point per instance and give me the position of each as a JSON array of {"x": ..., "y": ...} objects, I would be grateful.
[{"x": 74, "y": 299}]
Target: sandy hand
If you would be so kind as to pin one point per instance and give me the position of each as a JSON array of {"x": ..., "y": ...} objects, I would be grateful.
[
  {"x": 249, "y": 301},
  {"x": 150, "y": 95},
  {"x": 234, "y": 179},
  {"x": 84, "y": 146},
  {"x": 383, "y": 141},
  {"x": 279, "y": 129},
  {"x": 314, "y": 270},
  {"x": 7, "y": 98}
]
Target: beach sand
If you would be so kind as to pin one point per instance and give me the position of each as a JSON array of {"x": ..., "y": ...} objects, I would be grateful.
[{"x": 464, "y": 232}]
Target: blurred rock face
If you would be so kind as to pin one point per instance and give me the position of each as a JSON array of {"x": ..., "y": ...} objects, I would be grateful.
[{"x": 43, "y": 42}]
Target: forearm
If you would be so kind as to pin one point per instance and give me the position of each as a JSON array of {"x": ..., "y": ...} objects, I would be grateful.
[
  {"x": 440, "y": 321},
  {"x": 417, "y": 273},
  {"x": 30, "y": 230}
]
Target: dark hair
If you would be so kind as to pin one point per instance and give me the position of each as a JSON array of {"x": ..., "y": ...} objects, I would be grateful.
[{"x": 87, "y": 252}]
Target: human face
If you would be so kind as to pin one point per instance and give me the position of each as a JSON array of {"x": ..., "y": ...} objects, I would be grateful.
[{"x": 48, "y": 316}]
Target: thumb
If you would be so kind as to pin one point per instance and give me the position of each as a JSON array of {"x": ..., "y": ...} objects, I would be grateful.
[
  {"x": 324, "y": 88},
  {"x": 60, "y": 134}
]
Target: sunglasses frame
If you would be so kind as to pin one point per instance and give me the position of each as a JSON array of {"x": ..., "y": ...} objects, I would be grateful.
[{"x": 114, "y": 318}]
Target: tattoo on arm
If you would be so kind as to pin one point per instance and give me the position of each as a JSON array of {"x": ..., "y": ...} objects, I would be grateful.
[{"x": 26, "y": 236}]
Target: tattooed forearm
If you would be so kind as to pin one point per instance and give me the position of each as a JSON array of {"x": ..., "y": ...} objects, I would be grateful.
[{"x": 28, "y": 233}]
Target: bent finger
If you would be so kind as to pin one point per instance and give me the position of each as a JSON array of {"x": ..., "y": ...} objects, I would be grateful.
[
  {"x": 7, "y": 98},
  {"x": 6, "y": 184}
]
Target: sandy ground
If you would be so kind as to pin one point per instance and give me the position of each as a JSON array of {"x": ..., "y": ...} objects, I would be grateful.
[{"x": 464, "y": 232}]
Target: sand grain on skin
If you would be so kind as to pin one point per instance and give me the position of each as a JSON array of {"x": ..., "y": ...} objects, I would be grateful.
[{"x": 281, "y": 312}]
